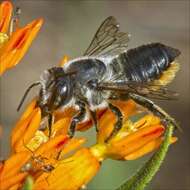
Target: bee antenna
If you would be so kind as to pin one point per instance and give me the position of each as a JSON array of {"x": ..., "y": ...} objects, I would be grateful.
[{"x": 26, "y": 93}]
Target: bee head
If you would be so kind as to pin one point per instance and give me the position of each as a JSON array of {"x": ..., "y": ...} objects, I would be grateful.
[{"x": 56, "y": 91}]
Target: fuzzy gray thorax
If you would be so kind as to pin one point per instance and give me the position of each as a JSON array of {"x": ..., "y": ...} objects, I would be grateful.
[{"x": 88, "y": 69}]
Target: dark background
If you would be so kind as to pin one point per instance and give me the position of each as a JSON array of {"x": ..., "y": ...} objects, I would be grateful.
[{"x": 68, "y": 29}]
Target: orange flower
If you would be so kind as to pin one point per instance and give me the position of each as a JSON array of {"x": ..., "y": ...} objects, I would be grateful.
[
  {"x": 134, "y": 140},
  {"x": 5, "y": 16},
  {"x": 32, "y": 148},
  {"x": 13, "y": 45},
  {"x": 44, "y": 155},
  {"x": 71, "y": 173},
  {"x": 53, "y": 167},
  {"x": 9, "y": 174}
]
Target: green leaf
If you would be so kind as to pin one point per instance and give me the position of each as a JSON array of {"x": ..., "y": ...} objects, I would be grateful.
[
  {"x": 149, "y": 169},
  {"x": 28, "y": 184}
]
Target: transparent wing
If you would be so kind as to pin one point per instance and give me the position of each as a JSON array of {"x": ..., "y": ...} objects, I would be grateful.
[
  {"x": 108, "y": 38},
  {"x": 148, "y": 90}
]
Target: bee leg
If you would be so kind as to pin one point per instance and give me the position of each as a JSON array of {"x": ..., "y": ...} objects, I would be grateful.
[
  {"x": 50, "y": 123},
  {"x": 93, "y": 115},
  {"x": 155, "y": 109},
  {"x": 76, "y": 119},
  {"x": 118, "y": 124}
]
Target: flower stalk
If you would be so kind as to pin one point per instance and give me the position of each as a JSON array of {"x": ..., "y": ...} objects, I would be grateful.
[{"x": 141, "y": 179}]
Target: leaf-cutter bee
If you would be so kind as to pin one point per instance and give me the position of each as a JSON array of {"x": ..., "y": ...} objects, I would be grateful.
[{"x": 108, "y": 71}]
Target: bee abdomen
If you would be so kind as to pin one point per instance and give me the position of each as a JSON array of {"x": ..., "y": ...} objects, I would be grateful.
[{"x": 147, "y": 62}]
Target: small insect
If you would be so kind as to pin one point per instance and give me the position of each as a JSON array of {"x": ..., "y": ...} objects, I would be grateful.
[
  {"x": 39, "y": 161},
  {"x": 108, "y": 71}
]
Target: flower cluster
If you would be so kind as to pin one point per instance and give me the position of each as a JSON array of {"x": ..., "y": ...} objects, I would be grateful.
[
  {"x": 14, "y": 40},
  {"x": 60, "y": 162},
  {"x": 32, "y": 147}
]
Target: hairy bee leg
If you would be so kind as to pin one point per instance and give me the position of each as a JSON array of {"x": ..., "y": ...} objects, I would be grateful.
[
  {"x": 50, "y": 123},
  {"x": 76, "y": 119},
  {"x": 155, "y": 109},
  {"x": 118, "y": 124},
  {"x": 93, "y": 115}
]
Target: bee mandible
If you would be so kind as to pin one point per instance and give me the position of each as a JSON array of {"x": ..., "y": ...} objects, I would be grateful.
[{"x": 107, "y": 71}]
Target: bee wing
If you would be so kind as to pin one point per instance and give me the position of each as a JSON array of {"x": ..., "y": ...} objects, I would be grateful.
[
  {"x": 148, "y": 90},
  {"x": 157, "y": 92},
  {"x": 107, "y": 38}
]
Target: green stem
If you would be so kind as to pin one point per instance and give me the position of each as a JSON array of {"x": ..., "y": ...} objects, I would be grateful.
[
  {"x": 28, "y": 184},
  {"x": 146, "y": 173}
]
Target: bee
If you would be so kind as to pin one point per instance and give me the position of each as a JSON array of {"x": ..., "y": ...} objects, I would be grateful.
[{"x": 106, "y": 71}]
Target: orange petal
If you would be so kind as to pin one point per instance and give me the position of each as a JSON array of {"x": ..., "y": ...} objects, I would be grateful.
[
  {"x": 71, "y": 145},
  {"x": 30, "y": 107},
  {"x": 108, "y": 119},
  {"x": 53, "y": 145},
  {"x": 24, "y": 35},
  {"x": 143, "y": 132},
  {"x": 149, "y": 147},
  {"x": 147, "y": 120},
  {"x": 106, "y": 124},
  {"x": 129, "y": 127},
  {"x": 5, "y": 15},
  {"x": 89, "y": 123},
  {"x": 15, "y": 187},
  {"x": 13, "y": 180},
  {"x": 33, "y": 127},
  {"x": 23, "y": 45},
  {"x": 18, "y": 44},
  {"x": 21, "y": 121},
  {"x": 13, "y": 165},
  {"x": 30, "y": 131},
  {"x": 20, "y": 128},
  {"x": 134, "y": 141},
  {"x": 127, "y": 107},
  {"x": 74, "y": 172},
  {"x": 64, "y": 60},
  {"x": 41, "y": 183},
  {"x": 5, "y": 60},
  {"x": 59, "y": 114},
  {"x": 61, "y": 126}
]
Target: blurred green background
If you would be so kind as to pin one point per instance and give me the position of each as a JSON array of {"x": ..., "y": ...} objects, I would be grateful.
[{"x": 69, "y": 26}]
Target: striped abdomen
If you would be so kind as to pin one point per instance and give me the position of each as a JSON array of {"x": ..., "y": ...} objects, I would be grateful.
[{"x": 146, "y": 62}]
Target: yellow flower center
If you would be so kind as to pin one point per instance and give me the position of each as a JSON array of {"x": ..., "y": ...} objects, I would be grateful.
[
  {"x": 37, "y": 140},
  {"x": 3, "y": 39},
  {"x": 99, "y": 151}
]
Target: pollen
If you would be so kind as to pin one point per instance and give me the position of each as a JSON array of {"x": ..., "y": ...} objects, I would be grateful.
[{"x": 3, "y": 38}]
